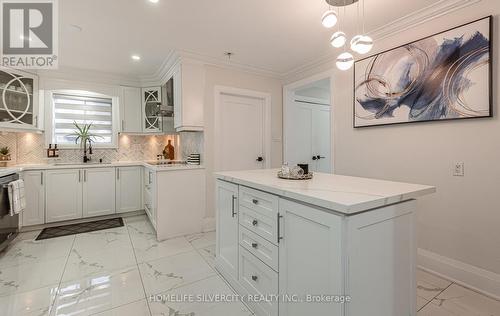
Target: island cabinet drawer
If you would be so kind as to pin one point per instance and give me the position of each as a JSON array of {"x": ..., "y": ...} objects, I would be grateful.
[
  {"x": 259, "y": 280},
  {"x": 258, "y": 201},
  {"x": 262, "y": 225},
  {"x": 259, "y": 247}
]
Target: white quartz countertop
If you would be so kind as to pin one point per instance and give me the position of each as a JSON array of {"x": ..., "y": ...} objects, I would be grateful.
[
  {"x": 27, "y": 167},
  {"x": 342, "y": 194}
]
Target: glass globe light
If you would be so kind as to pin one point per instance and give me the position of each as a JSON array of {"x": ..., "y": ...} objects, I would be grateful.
[
  {"x": 363, "y": 44},
  {"x": 338, "y": 39},
  {"x": 329, "y": 19},
  {"x": 345, "y": 61},
  {"x": 353, "y": 42}
]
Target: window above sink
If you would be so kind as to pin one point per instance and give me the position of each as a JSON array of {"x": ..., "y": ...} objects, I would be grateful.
[{"x": 68, "y": 107}]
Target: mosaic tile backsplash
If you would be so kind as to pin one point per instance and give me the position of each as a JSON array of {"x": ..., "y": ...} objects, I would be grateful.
[{"x": 28, "y": 148}]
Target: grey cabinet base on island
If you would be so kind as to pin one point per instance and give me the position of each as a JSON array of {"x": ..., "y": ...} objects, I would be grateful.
[{"x": 290, "y": 258}]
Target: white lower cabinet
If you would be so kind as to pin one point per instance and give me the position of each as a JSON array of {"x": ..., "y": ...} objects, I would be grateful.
[
  {"x": 310, "y": 259},
  {"x": 259, "y": 280},
  {"x": 227, "y": 228},
  {"x": 98, "y": 191},
  {"x": 128, "y": 189},
  {"x": 149, "y": 194},
  {"x": 297, "y": 259},
  {"x": 63, "y": 195},
  {"x": 34, "y": 187}
]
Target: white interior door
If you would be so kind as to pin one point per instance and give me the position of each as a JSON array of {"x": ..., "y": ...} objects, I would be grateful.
[
  {"x": 240, "y": 136},
  {"x": 321, "y": 138},
  {"x": 308, "y": 135}
]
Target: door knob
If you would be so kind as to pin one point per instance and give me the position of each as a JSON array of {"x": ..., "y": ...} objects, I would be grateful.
[{"x": 259, "y": 159}]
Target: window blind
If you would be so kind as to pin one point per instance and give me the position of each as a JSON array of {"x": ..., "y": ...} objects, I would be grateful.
[{"x": 82, "y": 110}]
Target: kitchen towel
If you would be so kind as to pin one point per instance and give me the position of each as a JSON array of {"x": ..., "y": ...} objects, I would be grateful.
[{"x": 17, "y": 199}]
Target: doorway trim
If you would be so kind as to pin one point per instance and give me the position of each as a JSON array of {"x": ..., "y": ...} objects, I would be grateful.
[
  {"x": 266, "y": 97},
  {"x": 288, "y": 98}
]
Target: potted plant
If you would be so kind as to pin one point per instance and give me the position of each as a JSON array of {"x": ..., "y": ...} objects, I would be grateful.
[
  {"x": 4, "y": 154},
  {"x": 84, "y": 136}
]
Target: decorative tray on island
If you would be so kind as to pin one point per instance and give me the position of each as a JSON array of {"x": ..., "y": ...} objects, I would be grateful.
[{"x": 306, "y": 176}]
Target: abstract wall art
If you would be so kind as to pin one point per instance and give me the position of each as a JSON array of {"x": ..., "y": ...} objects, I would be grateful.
[{"x": 445, "y": 76}]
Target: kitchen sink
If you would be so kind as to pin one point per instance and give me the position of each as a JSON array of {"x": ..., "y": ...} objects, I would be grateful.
[{"x": 80, "y": 164}]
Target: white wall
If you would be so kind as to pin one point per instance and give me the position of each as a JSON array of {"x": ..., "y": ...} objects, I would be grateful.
[
  {"x": 217, "y": 76},
  {"x": 462, "y": 220}
]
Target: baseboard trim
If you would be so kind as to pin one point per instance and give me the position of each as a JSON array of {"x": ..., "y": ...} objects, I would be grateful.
[
  {"x": 208, "y": 224},
  {"x": 472, "y": 277}
]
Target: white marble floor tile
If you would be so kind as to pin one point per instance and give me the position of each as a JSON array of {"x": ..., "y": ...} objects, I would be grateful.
[
  {"x": 460, "y": 301},
  {"x": 147, "y": 249},
  {"x": 167, "y": 273},
  {"x": 198, "y": 300},
  {"x": 28, "y": 235},
  {"x": 208, "y": 253},
  {"x": 202, "y": 240},
  {"x": 139, "y": 308},
  {"x": 429, "y": 285},
  {"x": 27, "y": 251},
  {"x": 102, "y": 240},
  {"x": 85, "y": 264},
  {"x": 100, "y": 292},
  {"x": 421, "y": 302},
  {"x": 27, "y": 277},
  {"x": 31, "y": 303},
  {"x": 134, "y": 219},
  {"x": 434, "y": 310},
  {"x": 141, "y": 228}
]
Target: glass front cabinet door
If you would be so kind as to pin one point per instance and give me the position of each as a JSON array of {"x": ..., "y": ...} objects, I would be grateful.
[
  {"x": 19, "y": 100},
  {"x": 151, "y": 101}
]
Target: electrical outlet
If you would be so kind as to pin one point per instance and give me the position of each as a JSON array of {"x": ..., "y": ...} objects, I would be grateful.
[{"x": 458, "y": 170}]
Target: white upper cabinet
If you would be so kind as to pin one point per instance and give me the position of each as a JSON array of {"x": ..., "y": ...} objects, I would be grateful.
[
  {"x": 19, "y": 109},
  {"x": 189, "y": 93},
  {"x": 131, "y": 110},
  {"x": 151, "y": 101}
]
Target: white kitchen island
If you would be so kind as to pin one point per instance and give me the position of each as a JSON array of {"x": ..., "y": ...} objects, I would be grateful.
[{"x": 333, "y": 245}]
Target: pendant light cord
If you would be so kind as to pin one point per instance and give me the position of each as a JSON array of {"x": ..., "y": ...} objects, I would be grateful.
[
  {"x": 364, "y": 33},
  {"x": 345, "y": 15}
]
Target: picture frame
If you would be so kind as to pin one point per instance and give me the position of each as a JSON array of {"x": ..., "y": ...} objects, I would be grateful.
[{"x": 429, "y": 79}]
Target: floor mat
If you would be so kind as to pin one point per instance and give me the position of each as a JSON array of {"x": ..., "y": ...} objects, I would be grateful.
[{"x": 81, "y": 228}]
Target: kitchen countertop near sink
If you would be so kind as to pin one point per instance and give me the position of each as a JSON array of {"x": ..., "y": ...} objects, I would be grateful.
[{"x": 158, "y": 168}]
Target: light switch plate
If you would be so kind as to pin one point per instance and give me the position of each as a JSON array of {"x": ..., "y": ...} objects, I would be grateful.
[{"x": 459, "y": 169}]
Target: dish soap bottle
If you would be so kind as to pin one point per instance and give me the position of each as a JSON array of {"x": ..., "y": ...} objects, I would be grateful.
[{"x": 169, "y": 151}]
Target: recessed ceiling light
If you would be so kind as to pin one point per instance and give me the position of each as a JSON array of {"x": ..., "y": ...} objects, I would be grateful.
[
  {"x": 154, "y": 1},
  {"x": 136, "y": 57},
  {"x": 75, "y": 28}
]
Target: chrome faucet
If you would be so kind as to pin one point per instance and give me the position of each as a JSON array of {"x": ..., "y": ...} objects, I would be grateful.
[{"x": 85, "y": 158}]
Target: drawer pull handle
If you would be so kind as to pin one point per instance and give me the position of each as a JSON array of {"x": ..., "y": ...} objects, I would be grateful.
[
  {"x": 254, "y": 277},
  {"x": 233, "y": 211},
  {"x": 255, "y": 201},
  {"x": 254, "y": 245},
  {"x": 254, "y": 222}
]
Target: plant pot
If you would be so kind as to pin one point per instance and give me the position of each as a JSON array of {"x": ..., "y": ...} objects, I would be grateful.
[{"x": 4, "y": 157}]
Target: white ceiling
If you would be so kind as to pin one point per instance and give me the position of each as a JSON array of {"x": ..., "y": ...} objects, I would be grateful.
[{"x": 276, "y": 35}]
